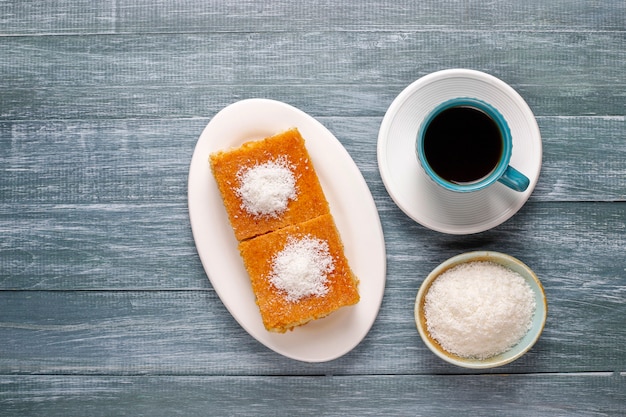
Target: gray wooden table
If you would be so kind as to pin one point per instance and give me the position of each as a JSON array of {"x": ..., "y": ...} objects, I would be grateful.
[{"x": 105, "y": 309}]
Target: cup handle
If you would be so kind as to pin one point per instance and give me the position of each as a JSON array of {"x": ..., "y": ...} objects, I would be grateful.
[{"x": 514, "y": 179}]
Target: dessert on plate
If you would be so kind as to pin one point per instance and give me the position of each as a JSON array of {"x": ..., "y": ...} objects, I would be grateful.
[
  {"x": 287, "y": 237},
  {"x": 268, "y": 184},
  {"x": 299, "y": 273}
]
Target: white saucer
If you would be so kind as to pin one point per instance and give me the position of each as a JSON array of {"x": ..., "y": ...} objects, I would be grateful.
[{"x": 416, "y": 194}]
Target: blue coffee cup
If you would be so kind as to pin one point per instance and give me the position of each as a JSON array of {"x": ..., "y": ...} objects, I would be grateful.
[{"x": 465, "y": 144}]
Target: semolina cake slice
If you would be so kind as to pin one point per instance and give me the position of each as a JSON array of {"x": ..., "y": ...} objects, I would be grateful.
[
  {"x": 299, "y": 273},
  {"x": 268, "y": 184}
]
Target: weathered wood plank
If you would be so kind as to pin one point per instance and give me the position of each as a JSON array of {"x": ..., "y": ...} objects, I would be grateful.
[
  {"x": 147, "y": 161},
  {"x": 98, "y": 162},
  {"x": 371, "y": 14},
  {"x": 79, "y": 16},
  {"x": 544, "y": 58},
  {"x": 99, "y": 246},
  {"x": 140, "y": 246},
  {"x": 512, "y": 395},
  {"x": 190, "y": 331},
  {"x": 58, "y": 16},
  {"x": 338, "y": 100},
  {"x": 144, "y": 246}
]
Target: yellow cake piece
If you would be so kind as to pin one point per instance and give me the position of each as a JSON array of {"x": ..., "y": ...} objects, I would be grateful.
[
  {"x": 288, "y": 241},
  {"x": 286, "y": 150},
  {"x": 278, "y": 312}
]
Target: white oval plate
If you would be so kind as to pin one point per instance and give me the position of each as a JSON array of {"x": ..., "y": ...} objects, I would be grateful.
[
  {"x": 419, "y": 197},
  {"x": 351, "y": 204}
]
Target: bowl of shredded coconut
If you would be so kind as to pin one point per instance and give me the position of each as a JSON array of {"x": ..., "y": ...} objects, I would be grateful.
[{"x": 481, "y": 309}]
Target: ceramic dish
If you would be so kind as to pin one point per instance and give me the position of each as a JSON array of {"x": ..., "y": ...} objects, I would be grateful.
[
  {"x": 351, "y": 204},
  {"x": 538, "y": 320},
  {"x": 419, "y": 197}
]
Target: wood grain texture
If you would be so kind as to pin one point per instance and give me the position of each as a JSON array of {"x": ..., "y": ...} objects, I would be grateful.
[
  {"x": 355, "y": 57},
  {"x": 320, "y": 100},
  {"x": 559, "y": 395},
  {"x": 147, "y": 161},
  {"x": 190, "y": 332},
  {"x": 80, "y": 16},
  {"x": 104, "y": 306},
  {"x": 150, "y": 247}
]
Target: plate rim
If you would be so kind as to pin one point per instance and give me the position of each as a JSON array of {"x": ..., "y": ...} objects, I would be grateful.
[{"x": 376, "y": 283}]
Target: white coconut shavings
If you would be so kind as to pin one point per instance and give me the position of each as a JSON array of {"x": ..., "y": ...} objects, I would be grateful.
[
  {"x": 301, "y": 268},
  {"x": 479, "y": 309},
  {"x": 266, "y": 189}
]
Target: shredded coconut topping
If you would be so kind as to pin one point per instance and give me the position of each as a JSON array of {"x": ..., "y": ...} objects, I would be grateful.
[
  {"x": 266, "y": 189},
  {"x": 301, "y": 268},
  {"x": 479, "y": 309}
]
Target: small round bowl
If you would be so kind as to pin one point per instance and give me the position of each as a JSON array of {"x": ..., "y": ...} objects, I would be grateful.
[{"x": 529, "y": 339}]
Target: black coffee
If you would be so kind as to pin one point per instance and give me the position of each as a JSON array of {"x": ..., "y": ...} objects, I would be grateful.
[{"x": 463, "y": 144}]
